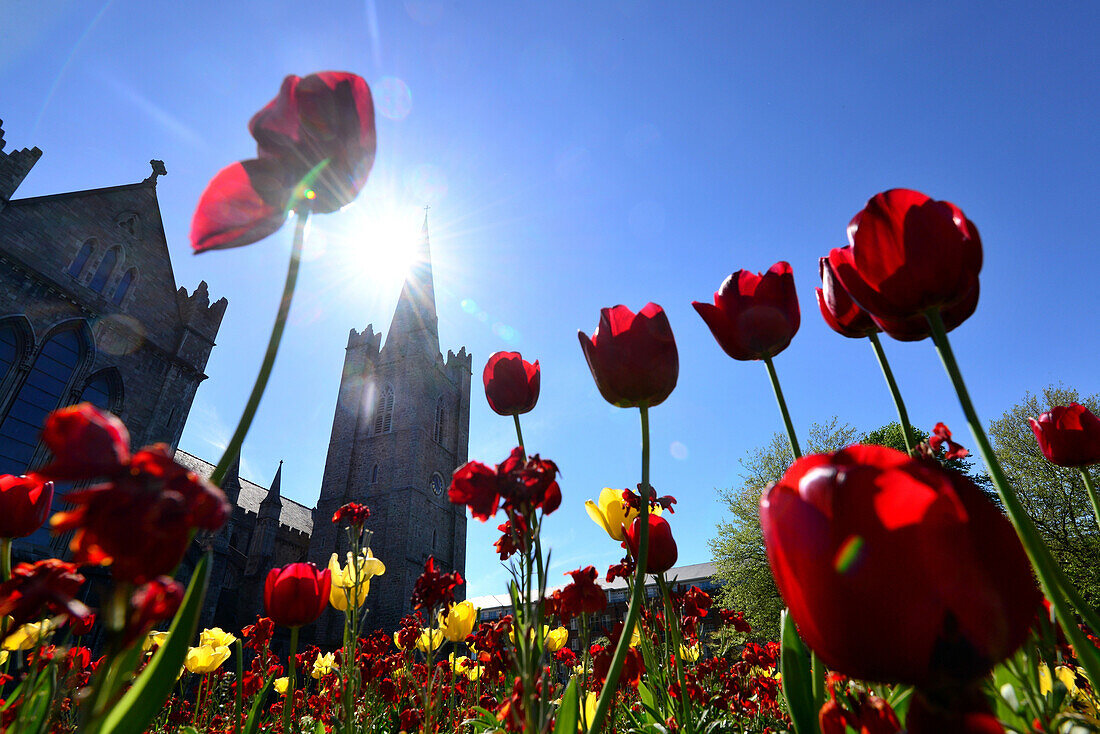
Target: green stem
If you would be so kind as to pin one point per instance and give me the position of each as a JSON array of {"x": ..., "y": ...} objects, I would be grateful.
[
  {"x": 673, "y": 627},
  {"x": 519, "y": 434},
  {"x": 903, "y": 415},
  {"x": 5, "y": 558},
  {"x": 1091, "y": 489},
  {"x": 238, "y": 700},
  {"x": 1055, "y": 585},
  {"x": 234, "y": 447},
  {"x": 637, "y": 595},
  {"x": 783, "y": 408},
  {"x": 288, "y": 700}
]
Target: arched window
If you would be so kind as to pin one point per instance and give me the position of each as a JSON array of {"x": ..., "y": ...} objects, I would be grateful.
[
  {"x": 123, "y": 287},
  {"x": 13, "y": 340},
  {"x": 103, "y": 272},
  {"x": 374, "y": 474},
  {"x": 440, "y": 421},
  {"x": 81, "y": 259},
  {"x": 103, "y": 390},
  {"x": 383, "y": 411},
  {"x": 44, "y": 389}
]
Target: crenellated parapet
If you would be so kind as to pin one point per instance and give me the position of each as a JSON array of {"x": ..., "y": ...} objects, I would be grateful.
[
  {"x": 460, "y": 363},
  {"x": 366, "y": 340},
  {"x": 14, "y": 167}
]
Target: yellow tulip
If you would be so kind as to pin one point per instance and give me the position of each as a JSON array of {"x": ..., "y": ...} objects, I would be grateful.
[
  {"x": 635, "y": 637},
  {"x": 458, "y": 664},
  {"x": 153, "y": 640},
  {"x": 205, "y": 658},
  {"x": 3, "y": 656},
  {"x": 612, "y": 514},
  {"x": 213, "y": 637},
  {"x": 473, "y": 672},
  {"x": 324, "y": 664},
  {"x": 429, "y": 640},
  {"x": 530, "y": 633},
  {"x": 578, "y": 670},
  {"x": 691, "y": 654},
  {"x": 28, "y": 635},
  {"x": 459, "y": 621},
  {"x": 555, "y": 639},
  {"x": 281, "y": 685},
  {"x": 589, "y": 710},
  {"x": 352, "y": 581}
]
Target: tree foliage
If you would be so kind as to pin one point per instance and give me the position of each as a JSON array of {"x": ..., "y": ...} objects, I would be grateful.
[{"x": 1053, "y": 496}]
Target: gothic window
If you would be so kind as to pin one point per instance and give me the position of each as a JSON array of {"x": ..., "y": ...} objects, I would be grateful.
[
  {"x": 383, "y": 411},
  {"x": 44, "y": 389},
  {"x": 103, "y": 390},
  {"x": 123, "y": 286},
  {"x": 81, "y": 259},
  {"x": 440, "y": 421},
  {"x": 374, "y": 474},
  {"x": 103, "y": 272},
  {"x": 13, "y": 341}
]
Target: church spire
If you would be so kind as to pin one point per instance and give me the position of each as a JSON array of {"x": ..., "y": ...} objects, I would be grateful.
[
  {"x": 273, "y": 502},
  {"x": 414, "y": 321}
]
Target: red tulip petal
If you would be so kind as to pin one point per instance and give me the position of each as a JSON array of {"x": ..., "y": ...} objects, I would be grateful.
[{"x": 244, "y": 203}]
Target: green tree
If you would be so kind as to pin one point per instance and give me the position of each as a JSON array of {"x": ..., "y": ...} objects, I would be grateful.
[{"x": 1053, "y": 496}]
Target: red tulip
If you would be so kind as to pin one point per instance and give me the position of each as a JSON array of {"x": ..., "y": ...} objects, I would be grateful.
[
  {"x": 909, "y": 254},
  {"x": 1068, "y": 435},
  {"x": 511, "y": 383},
  {"x": 86, "y": 442},
  {"x": 296, "y": 594},
  {"x": 917, "y": 328},
  {"x": 754, "y": 316},
  {"x": 24, "y": 504},
  {"x": 632, "y": 357},
  {"x": 661, "y": 554},
  {"x": 316, "y": 145},
  {"x": 895, "y": 569},
  {"x": 840, "y": 312}
]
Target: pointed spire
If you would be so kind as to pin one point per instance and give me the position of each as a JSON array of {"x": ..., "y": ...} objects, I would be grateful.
[
  {"x": 272, "y": 503},
  {"x": 231, "y": 484},
  {"x": 414, "y": 321}
]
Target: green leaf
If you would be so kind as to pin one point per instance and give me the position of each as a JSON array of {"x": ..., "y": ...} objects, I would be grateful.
[
  {"x": 256, "y": 712},
  {"x": 797, "y": 678},
  {"x": 568, "y": 712},
  {"x": 34, "y": 714},
  {"x": 649, "y": 702},
  {"x": 152, "y": 688}
]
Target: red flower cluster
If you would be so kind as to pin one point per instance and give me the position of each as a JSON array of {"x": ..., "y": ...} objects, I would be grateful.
[
  {"x": 633, "y": 664},
  {"x": 754, "y": 316},
  {"x": 152, "y": 602},
  {"x": 511, "y": 383},
  {"x": 693, "y": 605},
  {"x": 1069, "y": 435},
  {"x": 42, "y": 588},
  {"x": 258, "y": 636},
  {"x": 296, "y": 594},
  {"x": 24, "y": 504},
  {"x": 895, "y": 569},
  {"x": 632, "y": 357},
  {"x": 351, "y": 514},
  {"x": 316, "y": 144},
  {"x": 736, "y": 620},
  {"x": 141, "y": 519},
  {"x": 941, "y": 436},
  {"x": 515, "y": 485},
  {"x": 582, "y": 596},
  {"x": 435, "y": 588}
]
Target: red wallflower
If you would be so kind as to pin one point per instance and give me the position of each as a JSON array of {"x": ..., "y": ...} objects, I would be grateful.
[
  {"x": 895, "y": 569},
  {"x": 24, "y": 504},
  {"x": 435, "y": 588},
  {"x": 141, "y": 519},
  {"x": 152, "y": 602},
  {"x": 518, "y": 486},
  {"x": 1069, "y": 435},
  {"x": 42, "y": 588},
  {"x": 841, "y": 313},
  {"x": 941, "y": 436},
  {"x": 661, "y": 554},
  {"x": 296, "y": 594},
  {"x": 511, "y": 383},
  {"x": 754, "y": 316},
  {"x": 259, "y": 635},
  {"x": 633, "y": 664},
  {"x": 908, "y": 254},
  {"x": 632, "y": 357},
  {"x": 81, "y": 625},
  {"x": 316, "y": 145},
  {"x": 582, "y": 596},
  {"x": 352, "y": 514}
]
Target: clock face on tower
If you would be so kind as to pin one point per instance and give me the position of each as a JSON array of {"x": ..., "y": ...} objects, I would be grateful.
[{"x": 436, "y": 484}]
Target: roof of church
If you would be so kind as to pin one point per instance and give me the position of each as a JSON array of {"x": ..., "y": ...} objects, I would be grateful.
[{"x": 293, "y": 514}]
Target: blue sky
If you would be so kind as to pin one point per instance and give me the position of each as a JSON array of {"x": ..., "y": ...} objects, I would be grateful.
[{"x": 580, "y": 155}]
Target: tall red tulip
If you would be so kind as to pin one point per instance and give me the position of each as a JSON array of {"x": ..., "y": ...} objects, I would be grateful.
[
  {"x": 24, "y": 504},
  {"x": 296, "y": 594},
  {"x": 754, "y": 316},
  {"x": 511, "y": 383},
  {"x": 1069, "y": 435},
  {"x": 895, "y": 569},
  {"x": 632, "y": 357},
  {"x": 661, "y": 554},
  {"x": 908, "y": 254},
  {"x": 315, "y": 145},
  {"x": 841, "y": 313}
]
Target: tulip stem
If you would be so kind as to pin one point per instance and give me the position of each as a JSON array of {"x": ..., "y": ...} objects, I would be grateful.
[
  {"x": 637, "y": 594},
  {"x": 519, "y": 435},
  {"x": 288, "y": 700},
  {"x": 783, "y": 408},
  {"x": 1091, "y": 489},
  {"x": 5, "y": 558},
  {"x": 238, "y": 699},
  {"x": 903, "y": 415},
  {"x": 1055, "y": 585},
  {"x": 234, "y": 446}
]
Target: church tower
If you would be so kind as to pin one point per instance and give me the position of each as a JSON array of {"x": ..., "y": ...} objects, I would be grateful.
[{"x": 401, "y": 428}]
